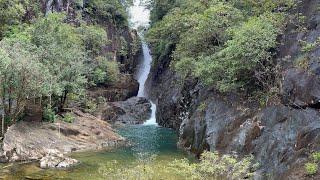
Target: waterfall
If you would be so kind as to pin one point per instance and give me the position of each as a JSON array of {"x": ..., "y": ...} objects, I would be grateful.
[{"x": 139, "y": 17}]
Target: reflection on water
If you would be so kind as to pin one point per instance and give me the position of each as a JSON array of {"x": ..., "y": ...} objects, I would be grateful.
[{"x": 148, "y": 141}]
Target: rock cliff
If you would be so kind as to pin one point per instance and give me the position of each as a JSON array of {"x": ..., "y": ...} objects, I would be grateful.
[{"x": 280, "y": 135}]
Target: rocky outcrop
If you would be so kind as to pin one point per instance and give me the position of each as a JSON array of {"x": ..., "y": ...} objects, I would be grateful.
[
  {"x": 54, "y": 159},
  {"x": 125, "y": 88},
  {"x": 301, "y": 89},
  {"x": 34, "y": 140},
  {"x": 132, "y": 111},
  {"x": 281, "y": 136}
]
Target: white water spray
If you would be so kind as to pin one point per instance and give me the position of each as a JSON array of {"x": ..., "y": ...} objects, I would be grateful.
[{"x": 139, "y": 17}]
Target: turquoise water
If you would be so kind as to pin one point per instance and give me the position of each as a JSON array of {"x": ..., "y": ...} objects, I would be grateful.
[{"x": 149, "y": 144}]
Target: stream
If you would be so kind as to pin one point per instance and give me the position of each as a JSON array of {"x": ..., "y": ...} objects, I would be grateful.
[{"x": 149, "y": 140}]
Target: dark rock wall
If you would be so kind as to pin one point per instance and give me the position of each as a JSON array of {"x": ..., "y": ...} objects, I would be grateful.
[{"x": 280, "y": 137}]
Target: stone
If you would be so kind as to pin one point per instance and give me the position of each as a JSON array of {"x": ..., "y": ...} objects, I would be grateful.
[
  {"x": 35, "y": 140},
  {"x": 125, "y": 88},
  {"x": 55, "y": 159},
  {"x": 135, "y": 110},
  {"x": 300, "y": 89}
]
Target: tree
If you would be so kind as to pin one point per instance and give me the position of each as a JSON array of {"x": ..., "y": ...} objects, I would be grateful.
[
  {"x": 226, "y": 44},
  {"x": 246, "y": 58},
  {"x": 22, "y": 76},
  {"x": 63, "y": 53},
  {"x": 94, "y": 38},
  {"x": 105, "y": 10},
  {"x": 207, "y": 36},
  {"x": 11, "y": 12}
]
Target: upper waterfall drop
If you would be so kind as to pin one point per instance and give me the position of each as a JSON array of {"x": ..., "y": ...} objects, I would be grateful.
[{"x": 140, "y": 17}]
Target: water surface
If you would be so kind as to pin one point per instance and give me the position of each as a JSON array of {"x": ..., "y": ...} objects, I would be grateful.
[{"x": 147, "y": 142}]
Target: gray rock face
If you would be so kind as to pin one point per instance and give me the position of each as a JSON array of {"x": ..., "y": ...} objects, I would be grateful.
[
  {"x": 132, "y": 111},
  {"x": 122, "y": 90},
  {"x": 300, "y": 88},
  {"x": 34, "y": 140},
  {"x": 281, "y": 137}
]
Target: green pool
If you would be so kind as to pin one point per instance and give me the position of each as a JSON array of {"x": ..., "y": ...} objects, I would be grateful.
[{"x": 151, "y": 145}]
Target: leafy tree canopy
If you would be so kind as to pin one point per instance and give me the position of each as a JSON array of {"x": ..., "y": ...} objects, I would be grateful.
[{"x": 227, "y": 44}]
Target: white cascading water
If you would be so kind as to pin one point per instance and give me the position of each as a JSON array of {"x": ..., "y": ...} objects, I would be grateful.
[{"x": 139, "y": 17}]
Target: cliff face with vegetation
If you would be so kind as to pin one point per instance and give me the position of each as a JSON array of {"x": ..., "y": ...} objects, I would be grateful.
[
  {"x": 226, "y": 85},
  {"x": 66, "y": 54},
  {"x": 60, "y": 62}
]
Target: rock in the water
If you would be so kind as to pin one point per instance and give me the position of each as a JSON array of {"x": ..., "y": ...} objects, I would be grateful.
[{"x": 54, "y": 159}]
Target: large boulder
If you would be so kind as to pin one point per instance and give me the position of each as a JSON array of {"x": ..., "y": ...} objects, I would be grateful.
[
  {"x": 125, "y": 88},
  {"x": 135, "y": 110}
]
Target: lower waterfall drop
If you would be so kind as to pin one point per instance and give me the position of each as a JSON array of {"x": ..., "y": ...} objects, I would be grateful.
[{"x": 140, "y": 17}]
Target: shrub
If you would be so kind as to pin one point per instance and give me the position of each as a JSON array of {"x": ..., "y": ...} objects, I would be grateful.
[
  {"x": 211, "y": 166},
  {"x": 316, "y": 156},
  {"x": 203, "y": 106},
  {"x": 246, "y": 59},
  {"x": 49, "y": 115},
  {"x": 311, "y": 168},
  {"x": 105, "y": 71},
  {"x": 68, "y": 117},
  {"x": 94, "y": 38},
  {"x": 91, "y": 106}
]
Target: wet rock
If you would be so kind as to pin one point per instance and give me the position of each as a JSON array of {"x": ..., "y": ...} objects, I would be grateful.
[
  {"x": 32, "y": 140},
  {"x": 132, "y": 111}
]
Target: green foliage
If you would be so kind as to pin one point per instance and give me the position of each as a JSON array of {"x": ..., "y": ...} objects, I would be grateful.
[
  {"x": 49, "y": 115},
  {"x": 94, "y": 38},
  {"x": 22, "y": 75},
  {"x": 108, "y": 10},
  {"x": 123, "y": 51},
  {"x": 211, "y": 166},
  {"x": 214, "y": 166},
  {"x": 258, "y": 7},
  {"x": 203, "y": 106},
  {"x": 206, "y": 35},
  {"x": 14, "y": 12},
  {"x": 105, "y": 71},
  {"x": 68, "y": 117},
  {"x": 311, "y": 168},
  {"x": 62, "y": 52},
  {"x": 11, "y": 12},
  {"x": 307, "y": 47},
  {"x": 159, "y": 8},
  {"x": 316, "y": 156},
  {"x": 90, "y": 106},
  {"x": 228, "y": 44},
  {"x": 246, "y": 57}
]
